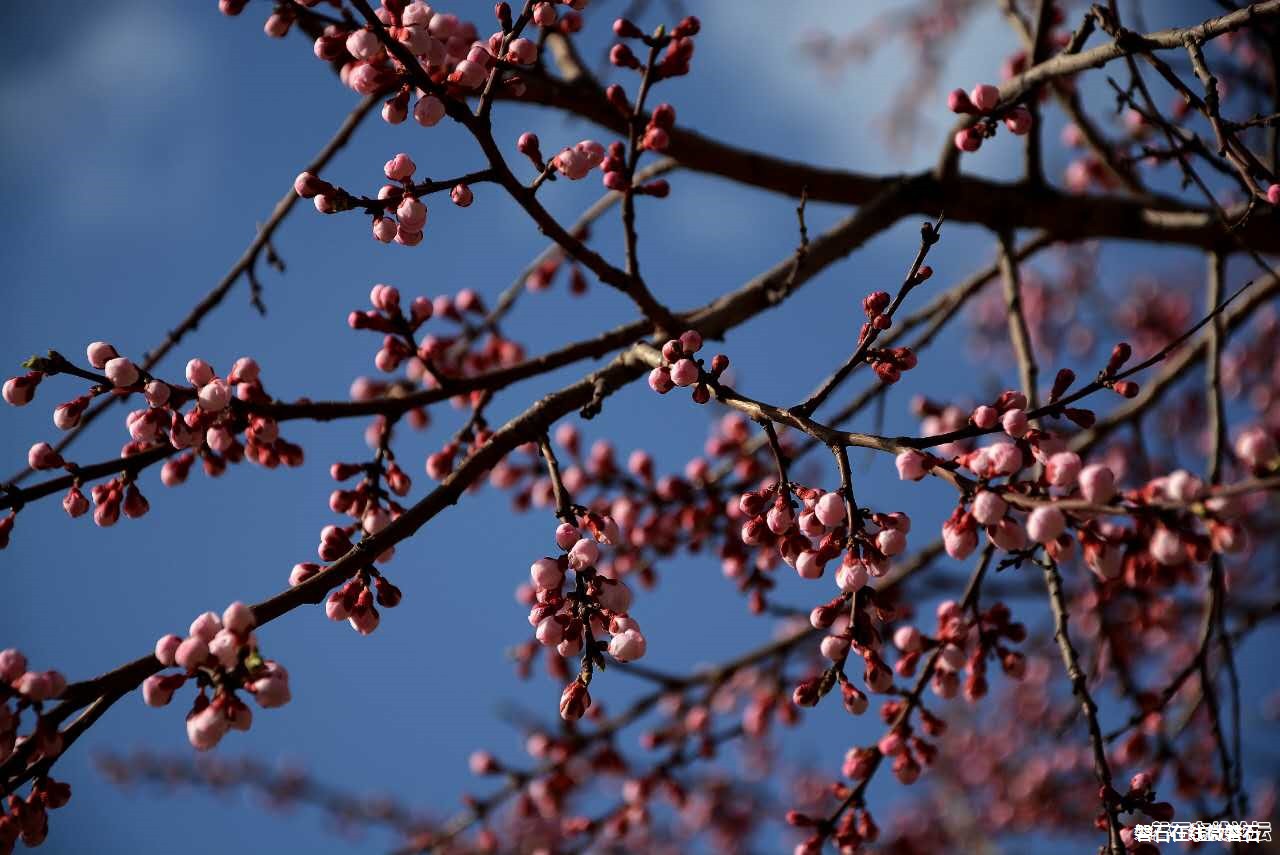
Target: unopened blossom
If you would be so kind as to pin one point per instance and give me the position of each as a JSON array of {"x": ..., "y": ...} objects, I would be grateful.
[
  {"x": 546, "y": 574},
  {"x": 810, "y": 564},
  {"x": 1097, "y": 484},
  {"x": 585, "y": 553},
  {"x": 214, "y": 396},
  {"x": 99, "y": 353},
  {"x": 1045, "y": 523},
  {"x": 985, "y": 97},
  {"x": 1063, "y": 469},
  {"x": 199, "y": 372},
  {"x": 121, "y": 372},
  {"x": 1014, "y": 423},
  {"x": 428, "y": 111},
  {"x": 988, "y": 507},
  {"x": 1166, "y": 547},
  {"x": 830, "y": 509},
  {"x": 627, "y": 646},
  {"x": 911, "y": 465}
]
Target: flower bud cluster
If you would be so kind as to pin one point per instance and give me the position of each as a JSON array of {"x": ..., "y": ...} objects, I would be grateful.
[
  {"x": 984, "y": 102},
  {"x": 221, "y": 655},
  {"x": 680, "y": 368}
]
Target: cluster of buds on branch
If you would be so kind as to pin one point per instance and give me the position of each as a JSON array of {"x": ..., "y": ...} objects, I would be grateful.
[
  {"x": 221, "y": 655},
  {"x": 222, "y": 411},
  {"x": 984, "y": 103},
  {"x": 680, "y": 368}
]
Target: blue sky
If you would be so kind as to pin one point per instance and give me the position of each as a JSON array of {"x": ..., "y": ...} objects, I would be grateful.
[{"x": 145, "y": 140}]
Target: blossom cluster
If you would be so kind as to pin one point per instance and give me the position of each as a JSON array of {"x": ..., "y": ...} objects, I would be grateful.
[
  {"x": 221, "y": 655},
  {"x": 573, "y": 620},
  {"x": 680, "y": 368},
  {"x": 221, "y": 412},
  {"x": 984, "y": 102},
  {"x": 27, "y": 689}
]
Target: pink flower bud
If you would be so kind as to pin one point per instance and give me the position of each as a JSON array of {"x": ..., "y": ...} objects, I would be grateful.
[
  {"x": 225, "y": 648},
  {"x": 810, "y": 525},
  {"x": 959, "y": 542},
  {"x": 121, "y": 372},
  {"x": 615, "y": 596},
  {"x": 384, "y": 229},
  {"x": 483, "y": 763},
  {"x": 12, "y": 665},
  {"x": 585, "y": 553},
  {"x": 468, "y": 74},
  {"x": 780, "y": 517},
  {"x": 891, "y": 542},
  {"x": 462, "y": 196},
  {"x": 660, "y": 380},
  {"x": 399, "y": 168},
  {"x": 1166, "y": 547},
  {"x": 1062, "y": 469},
  {"x": 984, "y": 417},
  {"x": 522, "y": 52},
  {"x": 157, "y": 691},
  {"x": 575, "y": 700},
  {"x": 567, "y": 535},
  {"x": 238, "y": 618},
  {"x": 428, "y": 111},
  {"x": 214, "y": 396},
  {"x": 416, "y": 14},
  {"x": 910, "y": 465},
  {"x": 100, "y": 353},
  {"x": 18, "y": 391},
  {"x": 167, "y": 649},
  {"x": 335, "y": 607},
  {"x": 985, "y": 97},
  {"x": 550, "y": 631},
  {"x": 1097, "y": 484},
  {"x": 544, "y": 15},
  {"x": 1005, "y": 458},
  {"x": 272, "y": 690},
  {"x": 830, "y": 509},
  {"x": 1009, "y": 535},
  {"x": 810, "y": 564},
  {"x": 878, "y": 679},
  {"x": 968, "y": 139},
  {"x": 42, "y": 456},
  {"x": 1014, "y": 423},
  {"x": 1255, "y": 447},
  {"x": 629, "y": 646},
  {"x": 309, "y": 186},
  {"x": 546, "y": 574},
  {"x": 988, "y": 508},
  {"x": 302, "y": 572},
  {"x": 1045, "y": 523},
  {"x": 1106, "y": 561},
  {"x": 206, "y": 728},
  {"x": 411, "y": 213},
  {"x": 157, "y": 393},
  {"x": 908, "y": 639},
  {"x": 958, "y": 102},
  {"x": 205, "y": 626},
  {"x": 199, "y": 372},
  {"x": 834, "y": 647},
  {"x": 364, "y": 621},
  {"x": 1018, "y": 120},
  {"x": 75, "y": 503},
  {"x": 684, "y": 372},
  {"x": 363, "y": 44},
  {"x": 852, "y": 575},
  {"x": 191, "y": 653}
]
